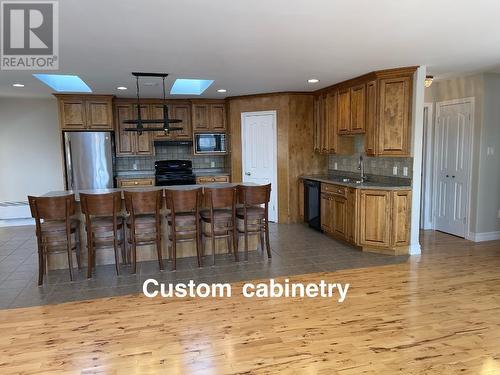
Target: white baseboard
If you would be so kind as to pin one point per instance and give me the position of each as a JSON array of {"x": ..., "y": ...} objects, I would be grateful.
[
  {"x": 484, "y": 236},
  {"x": 414, "y": 249}
]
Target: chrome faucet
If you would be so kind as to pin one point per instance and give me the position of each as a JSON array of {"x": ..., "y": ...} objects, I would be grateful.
[{"x": 361, "y": 168}]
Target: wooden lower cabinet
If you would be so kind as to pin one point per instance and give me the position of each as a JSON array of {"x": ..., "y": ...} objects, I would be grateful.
[
  {"x": 375, "y": 220},
  {"x": 212, "y": 179},
  {"x": 134, "y": 182}
]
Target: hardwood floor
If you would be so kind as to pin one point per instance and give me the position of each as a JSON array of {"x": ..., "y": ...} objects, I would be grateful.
[{"x": 436, "y": 314}]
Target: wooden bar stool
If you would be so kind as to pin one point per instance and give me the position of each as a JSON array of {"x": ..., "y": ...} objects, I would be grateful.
[
  {"x": 57, "y": 231},
  {"x": 103, "y": 223},
  {"x": 252, "y": 198},
  {"x": 144, "y": 221},
  {"x": 183, "y": 219},
  {"x": 221, "y": 215}
]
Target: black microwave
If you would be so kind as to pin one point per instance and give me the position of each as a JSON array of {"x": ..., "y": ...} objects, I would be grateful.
[{"x": 209, "y": 143}]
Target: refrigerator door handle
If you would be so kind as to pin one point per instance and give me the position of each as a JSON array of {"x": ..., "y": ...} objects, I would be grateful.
[{"x": 69, "y": 168}]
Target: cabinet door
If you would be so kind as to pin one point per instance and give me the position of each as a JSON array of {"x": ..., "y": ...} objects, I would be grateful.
[
  {"x": 326, "y": 212},
  {"x": 401, "y": 208},
  {"x": 394, "y": 116},
  {"x": 156, "y": 113},
  {"x": 182, "y": 112},
  {"x": 124, "y": 140},
  {"x": 323, "y": 131},
  {"x": 344, "y": 112},
  {"x": 374, "y": 212},
  {"x": 358, "y": 99},
  {"x": 218, "y": 117},
  {"x": 72, "y": 114},
  {"x": 201, "y": 117},
  {"x": 144, "y": 144},
  {"x": 352, "y": 216},
  {"x": 99, "y": 114},
  {"x": 371, "y": 117},
  {"x": 317, "y": 123},
  {"x": 339, "y": 216},
  {"x": 331, "y": 122}
]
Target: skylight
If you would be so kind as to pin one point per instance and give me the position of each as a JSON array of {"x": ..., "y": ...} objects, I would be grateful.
[
  {"x": 184, "y": 86},
  {"x": 63, "y": 83}
]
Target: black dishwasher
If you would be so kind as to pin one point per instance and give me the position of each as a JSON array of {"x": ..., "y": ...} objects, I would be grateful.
[{"x": 312, "y": 191}]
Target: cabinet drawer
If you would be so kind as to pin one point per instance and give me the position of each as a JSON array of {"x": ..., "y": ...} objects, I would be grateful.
[
  {"x": 135, "y": 182},
  {"x": 221, "y": 179},
  {"x": 334, "y": 189},
  {"x": 211, "y": 179}
]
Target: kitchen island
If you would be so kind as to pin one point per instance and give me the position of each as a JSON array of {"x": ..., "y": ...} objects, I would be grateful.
[{"x": 148, "y": 252}]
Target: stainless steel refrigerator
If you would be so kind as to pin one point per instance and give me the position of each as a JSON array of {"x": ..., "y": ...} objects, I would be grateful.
[{"x": 89, "y": 160}]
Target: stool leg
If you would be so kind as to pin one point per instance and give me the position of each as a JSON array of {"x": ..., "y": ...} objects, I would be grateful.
[
  {"x": 79, "y": 248},
  {"x": 212, "y": 228},
  {"x": 174, "y": 248},
  {"x": 245, "y": 225},
  {"x": 198, "y": 245},
  {"x": 70, "y": 259},
  {"x": 124, "y": 246},
  {"x": 261, "y": 235},
  {"x": 89, "y": 255},
  {"x": 158, "y": 246},
  {"x": 234, "y": 233},
  {"x": 115, "y": 247},
  {"x": 268, "y": 247},
  {"x": 40, "y": 263}
]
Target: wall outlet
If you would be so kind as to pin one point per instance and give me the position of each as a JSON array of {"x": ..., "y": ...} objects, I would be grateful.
[
  {"x": 335, "y": 166},
  {"x": 405, "y": 171},
  {"x": 134, "y": 166},
  {"x": 490, "y": 151},
  {"x": 498, "y": 214},
  {"x": 212, "y": 164},
  {"x": 395, "y": 170}
]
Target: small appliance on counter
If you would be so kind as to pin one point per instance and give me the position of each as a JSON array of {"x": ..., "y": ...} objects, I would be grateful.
[
  {"x": 174, "y": 172},
  {"x": 209, "y": 143},
  {"x": 88, "y": 160}
]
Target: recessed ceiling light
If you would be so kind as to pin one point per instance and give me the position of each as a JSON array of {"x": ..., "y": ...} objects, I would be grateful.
[
  {"x": 221, "y": 90},
  {"x": 63, "y": 83},
  {"x": 313, "y": 80},
  {"x": 121, "y": 88},
  {"x": 17, "y": 85}
]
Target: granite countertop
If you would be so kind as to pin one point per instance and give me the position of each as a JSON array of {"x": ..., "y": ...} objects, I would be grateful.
[
  {"x": 337, "y": 180},
  {"x": 149, "y": 188}
]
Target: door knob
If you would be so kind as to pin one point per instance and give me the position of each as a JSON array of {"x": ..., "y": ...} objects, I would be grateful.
[
  {"x": 452, "y": 176},
  {"x": 447, "y": 176},
  {"x": 248, "y": 173}
]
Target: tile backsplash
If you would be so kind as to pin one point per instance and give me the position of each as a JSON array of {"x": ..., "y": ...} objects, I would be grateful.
[
  {"x": 126, "y": 163},
  {"x": 382, "y": 166}
]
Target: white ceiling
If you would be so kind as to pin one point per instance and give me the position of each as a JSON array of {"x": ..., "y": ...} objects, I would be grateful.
[{"x": 255, "y": 46}]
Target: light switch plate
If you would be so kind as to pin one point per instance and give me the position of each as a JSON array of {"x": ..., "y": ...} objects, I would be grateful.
[
  {"x": 490, "y": 150},
  {"x": 335, "y": 166},
  {"x": 499, "y": 214},
  {"x": 395, "y": 170},
  {"x": 212, "y": 164},
  {"x": 405, "y": 171},
  {"x": 135, "y": 166}
]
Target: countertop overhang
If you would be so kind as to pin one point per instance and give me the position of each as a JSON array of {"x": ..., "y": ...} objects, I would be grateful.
[{"x": 365, "y": 185}]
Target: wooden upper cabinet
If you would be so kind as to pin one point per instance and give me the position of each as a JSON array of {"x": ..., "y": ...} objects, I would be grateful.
[
  {"x": 317, "y": 122},
  {"x": 358, "y": 105},
  {"x": 331, "y": 122},
  {"x": 394, "y": 116},
  {"x": 175, "y": 111},
  {"x": 99, "y": 114},
  {"x": 208, "y": 116},
  {"x": 131, "y": 143},
  {"x": 85, "y": 112},
  {"x": 374, "y": 212},
  {"x": 344, "y": 111},
  {"x": 371, "y": 117},
  {"x": 124, "y": 140},
  {"x": 218, "y": 117}
]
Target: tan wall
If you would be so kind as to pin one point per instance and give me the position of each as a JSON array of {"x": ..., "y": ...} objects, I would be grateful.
[
  {"x": 30, "y": 148},
  {"x": 295, "y": 144}
]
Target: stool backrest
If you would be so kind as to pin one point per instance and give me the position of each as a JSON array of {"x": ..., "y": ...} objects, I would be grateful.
[
  {"x": 108, "y": 204},
  {"x": 254, "y": 195},
  {"x": 183, "y": 200},
  {"x": 52, "y": 208},
  {"x": 143, "y": 202},
  {"x": 220, "y": 197}
]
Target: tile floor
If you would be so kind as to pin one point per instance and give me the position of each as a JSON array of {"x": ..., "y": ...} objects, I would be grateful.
[{"x": 296, "y": 249}]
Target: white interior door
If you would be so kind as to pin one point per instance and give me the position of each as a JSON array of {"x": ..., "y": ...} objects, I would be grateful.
[
  {"x": 259, "y": 153},
  {"x": 452, "y": 150}
]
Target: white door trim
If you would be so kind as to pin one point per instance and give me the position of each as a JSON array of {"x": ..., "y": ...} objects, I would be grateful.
[
  {"x": 274, "y": 186},
  {"x": 427, "y": 212},
  {"x": 471, "y": 101}
]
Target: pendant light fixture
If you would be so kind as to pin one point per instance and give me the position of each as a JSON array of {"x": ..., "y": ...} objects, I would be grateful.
[{"x": 140, "y": 122}]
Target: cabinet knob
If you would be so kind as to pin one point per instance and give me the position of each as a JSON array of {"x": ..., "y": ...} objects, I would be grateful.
[
  {"x": 136, "y": 183},
  {"x": 248, "y": 173}
]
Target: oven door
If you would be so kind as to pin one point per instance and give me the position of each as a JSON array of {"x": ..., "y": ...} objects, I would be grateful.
[{"x": 210, "y": 143}]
